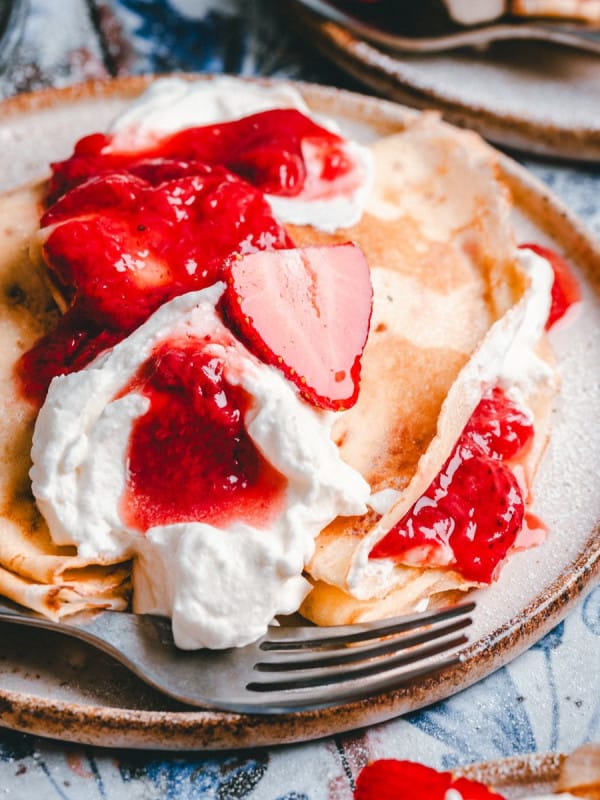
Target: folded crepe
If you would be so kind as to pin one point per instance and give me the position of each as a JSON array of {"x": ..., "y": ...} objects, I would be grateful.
[
  {"x": 450, "y": 300},
  {"x": 438, "y": 239},
  {"x": 33, "y": 571}
]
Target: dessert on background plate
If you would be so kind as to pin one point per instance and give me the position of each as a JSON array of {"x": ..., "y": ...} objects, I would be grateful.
[
  {"x": 578, "y": 776},
  {"x": 270, "y": 334}
]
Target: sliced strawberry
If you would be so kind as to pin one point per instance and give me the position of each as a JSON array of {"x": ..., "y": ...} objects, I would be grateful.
[
  {"x": 390, "y": 779},
  {"x": 307, "y": 312},
  {"x": 473, "y": 790},
  {"x": 565, "y": 289},
  {"x": 124, "y": 247},
  {"x": 119, "y": 246}
]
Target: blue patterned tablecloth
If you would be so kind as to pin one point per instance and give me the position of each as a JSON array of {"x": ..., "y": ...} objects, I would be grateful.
[{"x": 548, "y": 699}]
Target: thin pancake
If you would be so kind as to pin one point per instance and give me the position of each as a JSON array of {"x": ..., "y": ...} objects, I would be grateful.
[
  {"x": 438, "y": 238},
  {"x": 34, "y": 571}
]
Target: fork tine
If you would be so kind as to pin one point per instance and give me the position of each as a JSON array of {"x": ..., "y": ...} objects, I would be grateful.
[
  {"x": 310, "y": 698},
  {"x": 299, "y": 638},
  {"x": 294, "y": 660},
  {"x": 307, "y": 678}
]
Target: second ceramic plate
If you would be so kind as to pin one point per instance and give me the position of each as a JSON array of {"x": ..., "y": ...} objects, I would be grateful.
[{"x": 538, "y": 97}]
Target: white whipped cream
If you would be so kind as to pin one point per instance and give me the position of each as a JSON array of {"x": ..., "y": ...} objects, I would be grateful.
[
  {"x": 222, "y": 587},
  {"x": 522, "y": 369},
  {"x": 173, "y": 104}
]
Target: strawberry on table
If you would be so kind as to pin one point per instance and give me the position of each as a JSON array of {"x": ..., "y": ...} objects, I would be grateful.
[
  {"x": 391, "y": 779},
  {"x": 307, "y": 312}
]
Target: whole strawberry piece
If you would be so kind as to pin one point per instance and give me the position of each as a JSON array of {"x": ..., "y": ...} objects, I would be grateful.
[
  {"x": 391, "y": 779},
  {"x": 307, "y": 312}
]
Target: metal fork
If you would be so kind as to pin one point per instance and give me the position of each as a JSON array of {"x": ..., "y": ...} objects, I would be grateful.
[{"x": 288, "y": 669}]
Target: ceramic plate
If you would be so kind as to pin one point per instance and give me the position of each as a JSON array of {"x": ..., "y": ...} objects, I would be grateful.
[
  {"x": 55, "y": 687},
  {"x": 533, "y": 96},
  {"x": 519, "y": 776}
]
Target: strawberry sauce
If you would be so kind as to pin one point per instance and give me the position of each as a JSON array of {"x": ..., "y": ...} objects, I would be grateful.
[
  {"x": 135, "y": 229},
  {"x": 472, "y": 513},
  {"x": 190, "y": 457},
  {"x": 124, "y": 244},
  {"x": 265, "y": 149},
  {"x": 565, "y": 289},
  {"x": 390, "y": 779}
]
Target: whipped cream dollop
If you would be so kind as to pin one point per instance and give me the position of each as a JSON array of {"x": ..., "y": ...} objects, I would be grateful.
[
  {"x": 173, "y": 104},
  {"x": 221, "y": 586}
]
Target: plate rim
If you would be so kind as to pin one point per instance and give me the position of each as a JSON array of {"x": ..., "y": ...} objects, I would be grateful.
[
  {"x": 516, "y": 771},
  {"x": 214, "y": 730},
  {"x": 365, "y": 62}
]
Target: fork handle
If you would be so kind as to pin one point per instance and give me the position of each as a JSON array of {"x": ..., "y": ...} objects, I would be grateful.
[{"x": 124, "y": 636}]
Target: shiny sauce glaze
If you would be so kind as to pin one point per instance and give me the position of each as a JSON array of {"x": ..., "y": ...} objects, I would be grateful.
[
  {"x": 123, "y": 245},
  {"x": 128, "y": 231},
  {"x": 268, "y": 149},
  {"x": 190, "y": 456},
  {"x": 471, "y": 514}
]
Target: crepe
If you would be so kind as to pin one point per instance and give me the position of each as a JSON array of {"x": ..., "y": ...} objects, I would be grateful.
[
  {"x": 437, "y": 236},
  {"x": 33, "y": 571},
  {"x": 439, "y": 242}
]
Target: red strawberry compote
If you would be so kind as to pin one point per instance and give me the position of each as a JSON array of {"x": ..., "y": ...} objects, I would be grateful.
[
  {"x": 212, "y": 470},
  {"x": 565, "y": 288},
  {"x": 121, "y": 244},
  {"x": 308, "y": 172},
  {"x": 130, "y": 454},
  {"x": 470, "y": 516},
  {"x": 191, "y": 173}
]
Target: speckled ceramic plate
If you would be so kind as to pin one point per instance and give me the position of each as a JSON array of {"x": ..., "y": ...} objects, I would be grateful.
[
  {"x": 539, "y": 97},
  {"x": 520, "y": 776},
  {"x": 55, "y": 687}
]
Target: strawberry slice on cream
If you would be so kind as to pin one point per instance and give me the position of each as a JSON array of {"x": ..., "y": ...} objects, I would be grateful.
[{"x": 307, "y": 312}]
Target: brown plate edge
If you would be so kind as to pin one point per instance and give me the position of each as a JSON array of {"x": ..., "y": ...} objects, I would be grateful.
[
  {"x": 209, "y": 730},
  {"x": 378, "y": 70},
  {"x": 539, "y": 770}
]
